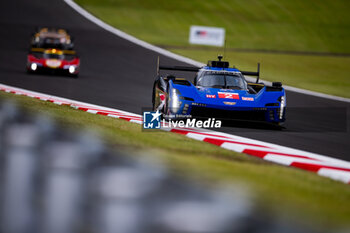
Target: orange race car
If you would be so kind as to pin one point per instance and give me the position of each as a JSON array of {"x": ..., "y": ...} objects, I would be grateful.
[{"x": 53, "y": 61}]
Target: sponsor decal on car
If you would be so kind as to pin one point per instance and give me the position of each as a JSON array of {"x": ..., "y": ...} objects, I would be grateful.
[
  {"x": 248, "y": 98},
  {"x": 199, "y": 104},
  {"x": 210, "y": 96},
  {"x": 161, "y": 96},
  {"x": 53, "y": 63},
  {"x": 228, "y": 95},
  {"x": 229, "y": 103}
]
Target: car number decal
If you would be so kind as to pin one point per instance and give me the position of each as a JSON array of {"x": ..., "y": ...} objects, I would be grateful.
[
  {"x": 53, "y": 63},
  {"x": 228, "y": 95}
]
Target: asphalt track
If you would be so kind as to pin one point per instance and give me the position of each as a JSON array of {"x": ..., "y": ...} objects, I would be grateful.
[{"x": 117, "y": 73}]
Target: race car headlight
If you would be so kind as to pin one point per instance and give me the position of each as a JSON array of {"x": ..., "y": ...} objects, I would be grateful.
[
  {"x": 175, "y": 100},
  {"x": 33, "y": 66},
  {"x": 283, "y": 105},
  {"x": 71, "y": 69}
]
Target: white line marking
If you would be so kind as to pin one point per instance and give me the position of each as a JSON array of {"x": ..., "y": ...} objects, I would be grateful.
[
  {"x": 180, "y": 58},
  {"x": 235, "y": 143},
  {"x": 303, "y": 91},
  {"x": 128, "y": 37}
]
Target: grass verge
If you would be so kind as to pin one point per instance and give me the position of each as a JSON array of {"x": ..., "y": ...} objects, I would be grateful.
[
  {"x": 297, "y": 194},
  {"x": 318, "y": 73},
  {"x": 306, "y": 26}
]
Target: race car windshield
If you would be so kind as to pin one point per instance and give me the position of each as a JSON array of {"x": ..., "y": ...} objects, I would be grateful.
[
  {"x": 53, "y": 56},
  {"x": 228, "y": 81},
  {"x": 52, "y": 43}
]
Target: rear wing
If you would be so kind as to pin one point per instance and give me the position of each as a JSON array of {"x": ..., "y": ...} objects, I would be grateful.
[
  {"x": 179, "y": 68},
  {"x": 42, "y": 50},
  {"x": 252, "y": 73},
  {"x": 196, "y": 69}
]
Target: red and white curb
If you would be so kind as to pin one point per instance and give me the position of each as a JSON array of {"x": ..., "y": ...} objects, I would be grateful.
[{"x": 323, "y": 165}]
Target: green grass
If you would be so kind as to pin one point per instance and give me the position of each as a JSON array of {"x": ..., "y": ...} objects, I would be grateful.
[
  {"x": 305, "y": 72},
  {"x": 300, "y": 25},
  {"x": 301, "y": 196}
]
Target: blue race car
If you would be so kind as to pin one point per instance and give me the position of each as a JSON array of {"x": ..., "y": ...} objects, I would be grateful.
[{"x": 220, "y": 92}]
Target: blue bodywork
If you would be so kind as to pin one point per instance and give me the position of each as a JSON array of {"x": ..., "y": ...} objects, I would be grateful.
[{"x": 268, "y": 104}]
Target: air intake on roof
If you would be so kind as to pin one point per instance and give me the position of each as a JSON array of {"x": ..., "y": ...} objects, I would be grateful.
[{"x": 219, "y": 63}]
